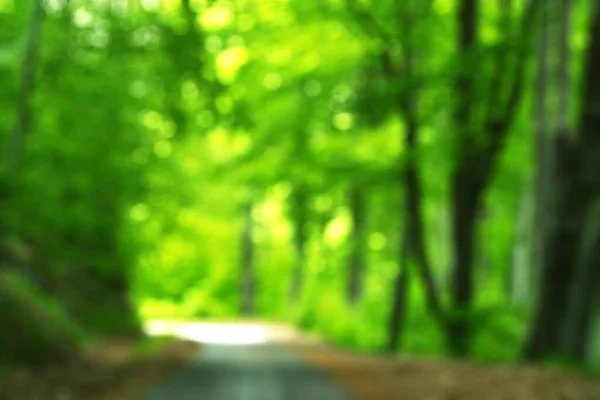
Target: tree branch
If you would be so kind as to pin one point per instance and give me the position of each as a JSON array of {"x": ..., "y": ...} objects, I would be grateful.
[
  {"x": 369, "y": 25},
  {"x": 515, "y": 95}
]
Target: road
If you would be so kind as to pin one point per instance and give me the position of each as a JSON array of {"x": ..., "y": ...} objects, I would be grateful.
[{"x": 257, "y": 370}]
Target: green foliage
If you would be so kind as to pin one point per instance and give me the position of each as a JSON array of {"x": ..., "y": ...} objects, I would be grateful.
[
  {"x": 154, "y": 123},
  {"x": 40, "y": 329}
]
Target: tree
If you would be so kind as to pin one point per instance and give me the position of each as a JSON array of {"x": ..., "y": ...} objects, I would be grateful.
[
  {"x": 570, "y": 262},
  {"x": 477, "y": 152},
  {"x": 400, "y": 74},
  {"x": 357, "y": 198},
  {"x": 29, "y": 71},
  {"x": 300, "y": 213},
  {"x": 248, "y": 278}
]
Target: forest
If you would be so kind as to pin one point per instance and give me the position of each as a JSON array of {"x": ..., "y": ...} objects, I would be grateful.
[{"x": 415, "y": 177}]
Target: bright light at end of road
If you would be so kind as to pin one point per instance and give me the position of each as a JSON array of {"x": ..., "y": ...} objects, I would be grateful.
[{"x": 217, "y": 333}]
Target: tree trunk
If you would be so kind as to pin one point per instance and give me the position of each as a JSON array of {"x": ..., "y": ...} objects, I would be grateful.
[
  {"x": 584, "y": 293},
  {"x": 417, "y": 248},
  {"x": 248, "y": 278},
  {"x": 465, "y": 191},
  {"x": 16, "y": 141},
  {"x": 28, "y": 71},
  {"x": 559, "y": 255},
  {"x": 299, "y": 211},
  {"x": 465, "y": 199},
  {"x": 476, "y": 157},
  {"x": 400, "y": 298},
  {"x": 542, "y": 153},
  {"x": 564, "y": 67},
  {"x": 520, "y": 277},
  {"x": 413, "y": 248},
  {"x": 356, "y": 268},
  {"x": 578, "y": 187}
]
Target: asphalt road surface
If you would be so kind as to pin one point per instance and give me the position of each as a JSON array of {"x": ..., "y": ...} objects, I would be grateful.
[{"x": 261, "y": 371}]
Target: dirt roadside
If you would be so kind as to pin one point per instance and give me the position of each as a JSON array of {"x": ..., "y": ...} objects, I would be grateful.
[
  {"x": 107, "y": 372},
  {"x": 378, "y": 378}
]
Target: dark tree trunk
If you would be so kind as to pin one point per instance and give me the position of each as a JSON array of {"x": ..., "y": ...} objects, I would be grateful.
[
  {"x": 560, "y": 253},
  {"x": 465, "y": 191},
  {"x": 112, "y": 300},
  {"x": 589, "y": 123},
  {"x": 417, "y": 248},
  {"x": 584, "y": 294},
  {"x": 465, "y": 199},
  {"x": 356, "y": 265},
  {"x": 417, "y": 236},
  {"x": 299, "y": 211},
  {"x": 578, "y": 188},
  {"x": 399, "y": 300},
  {"x": 248, "y": 278},
  {"x": 413, "y": 247},
  {"x": 477, "y": 156},
  {"x": 542, "y": 153},
  {"x": 584, "y": 297}
]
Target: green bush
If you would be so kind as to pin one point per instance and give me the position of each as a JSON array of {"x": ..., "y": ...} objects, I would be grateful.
[{"x": 39, "y": 328}]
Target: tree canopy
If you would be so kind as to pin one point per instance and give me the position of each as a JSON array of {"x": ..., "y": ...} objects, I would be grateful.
[{"x": 417, "y": 176}]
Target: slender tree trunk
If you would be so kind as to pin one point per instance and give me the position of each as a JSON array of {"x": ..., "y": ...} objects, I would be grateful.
[
  {"x": 413, "y": 241},
  {"x": 356, "y": 262},
  {"x": 411, "y": 181},
  {"x": 466, "y": 192},
  {"x": 15, "y": 147},
  {"x": 417, "y": 248},
  {"x": 520, "y": 276},
  {"x": 476, "y": 157},
  {"x": 564, "y": 67},
  {"x": 400, "y": 298},
  {"x": 542, "y": 154},
  {"x": 443, "y": 243},
  {"x": 413, "y": 246},
  {"x": 28, "y": 80},
  {"x": 465, "y": 201},
  {"x": 299, "y": 210},
  {"x": 248, "y": 278}
]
